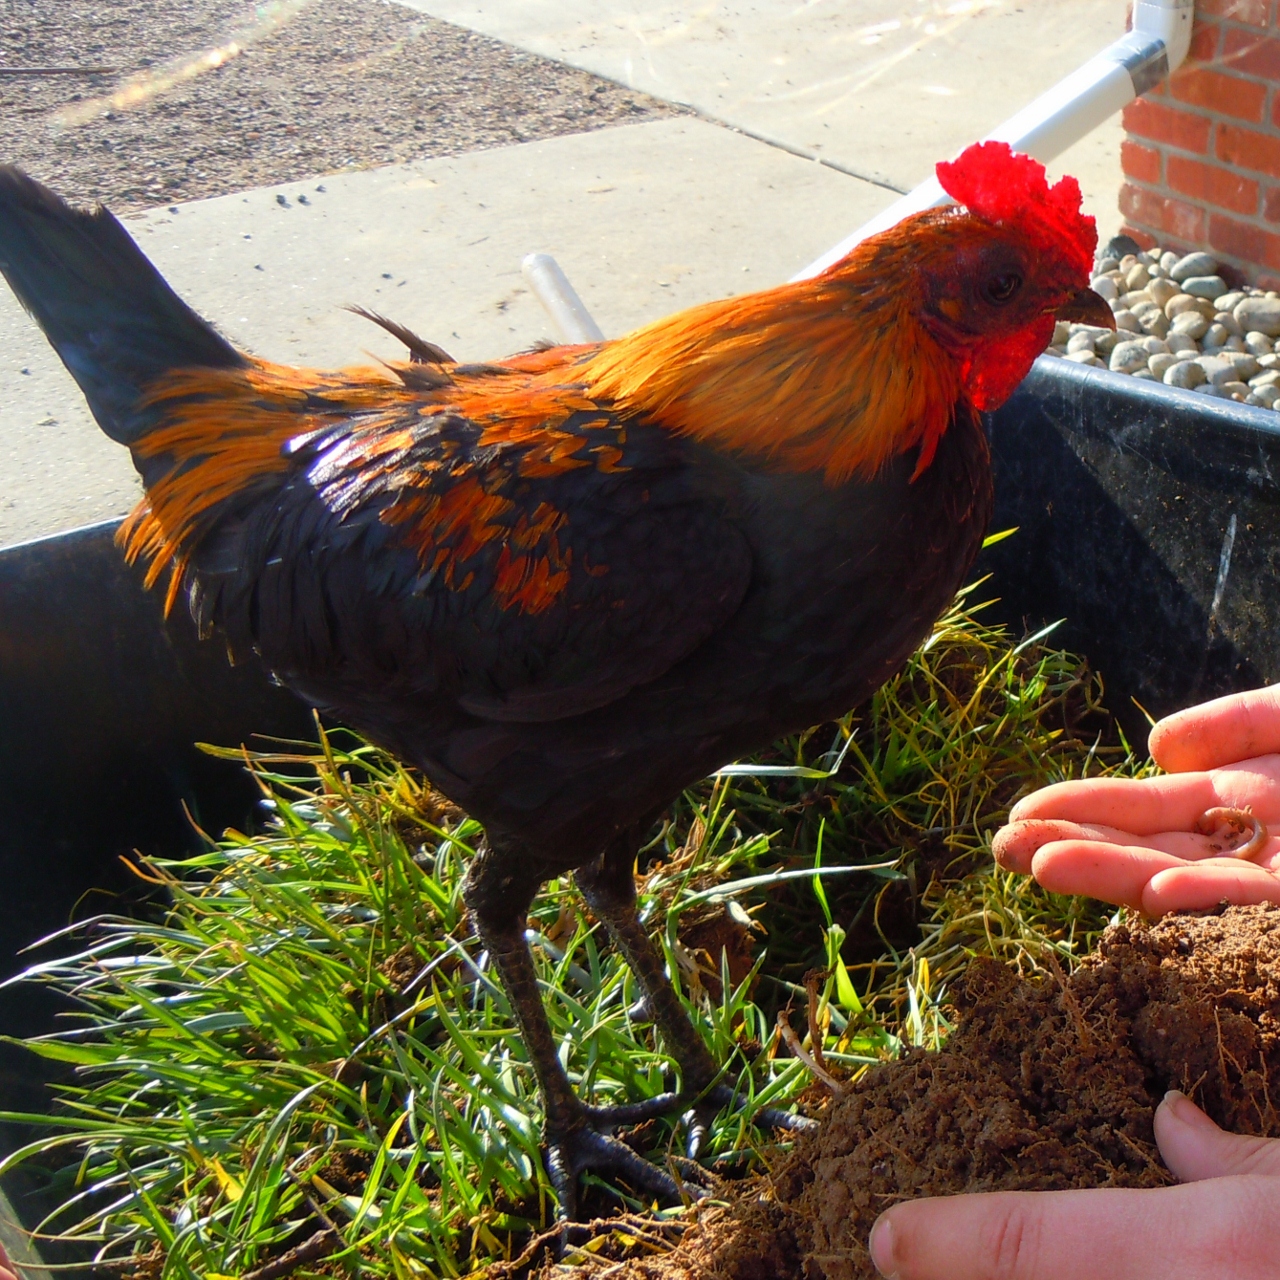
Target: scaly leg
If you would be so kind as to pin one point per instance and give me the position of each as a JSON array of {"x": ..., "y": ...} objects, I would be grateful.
[
  {"x": 577, "y": 1135},
  {"x": 609, "y": 887}
]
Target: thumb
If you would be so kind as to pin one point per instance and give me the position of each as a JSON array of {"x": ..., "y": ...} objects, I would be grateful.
[{"x": 1195, "y": 1148}]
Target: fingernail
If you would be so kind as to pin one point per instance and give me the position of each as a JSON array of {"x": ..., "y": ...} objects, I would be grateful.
[
  {"x": 1184, "y": 1110},
  {"x": 880, "y": 1245}
]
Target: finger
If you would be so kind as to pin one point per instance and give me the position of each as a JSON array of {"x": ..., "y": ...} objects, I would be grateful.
[
  {"x": 1112, "y": 872},
  {"x": 1198, "y": 1231},
  {"x": 1238, "y": 727},
  {"x": 1205, "y": 884},
  {"x": 1015, "y": 846},
  {"x": 1143, "y": 806},
  {"x": 1154, "y": 880},
  {"x": 1195, "y": 1148},
  {"x": 1148, "y": 806}
]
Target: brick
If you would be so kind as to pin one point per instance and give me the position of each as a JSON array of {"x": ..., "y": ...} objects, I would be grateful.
[
  {"x": 1144, "y": 238},
  {"x": 1215, "y": 91},
  {"x": 1162, "y": 213},
  {"x": 1251, "y": 54},
  {"x": 1154, "y": 120},
  {"x": 1211, "y": 184},
  {"x": 1244, "y": 241},
  {"x": 1271, "y": 205},
  {"x": 1249, "y": 149},
  {"x": 1205, "y": 38},
  {"x": 1165, "y": 240},
  {"x": 1140, "y": 163},
  {"x": 1257, "y": 13}
]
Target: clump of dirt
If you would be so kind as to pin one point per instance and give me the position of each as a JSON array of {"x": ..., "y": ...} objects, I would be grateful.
[{"x": 1047, "y": 1083}]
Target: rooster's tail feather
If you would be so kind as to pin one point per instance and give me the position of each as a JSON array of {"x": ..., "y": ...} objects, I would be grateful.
[{"x": 107, "y": 311}]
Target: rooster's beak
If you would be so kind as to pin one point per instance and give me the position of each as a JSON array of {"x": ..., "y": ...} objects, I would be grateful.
[{"x": 1086, "y": 307}]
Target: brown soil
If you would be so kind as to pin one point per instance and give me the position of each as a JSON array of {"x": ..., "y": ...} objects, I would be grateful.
[
  {"x": 336, "y": 85},
  {"x": 1046, "y": 1083}
]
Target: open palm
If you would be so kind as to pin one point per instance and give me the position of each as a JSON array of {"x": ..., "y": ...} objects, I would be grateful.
[{"x": 1139, "y": 842}]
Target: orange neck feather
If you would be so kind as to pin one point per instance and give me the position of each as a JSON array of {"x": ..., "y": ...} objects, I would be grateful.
[{"x": 834, "y": 375}]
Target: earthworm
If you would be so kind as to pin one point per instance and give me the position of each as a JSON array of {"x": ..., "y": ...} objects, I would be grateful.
[{"x": 1229, "y": 826}]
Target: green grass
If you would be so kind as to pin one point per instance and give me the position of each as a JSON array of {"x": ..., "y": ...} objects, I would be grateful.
[{"x": 309, "y": 1037}]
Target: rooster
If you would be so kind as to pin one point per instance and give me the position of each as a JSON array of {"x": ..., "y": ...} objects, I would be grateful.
[{"x": 570, "y": 583}]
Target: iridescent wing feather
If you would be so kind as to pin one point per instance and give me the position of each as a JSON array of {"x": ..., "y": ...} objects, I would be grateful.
[{"x": 528, "y": 575}]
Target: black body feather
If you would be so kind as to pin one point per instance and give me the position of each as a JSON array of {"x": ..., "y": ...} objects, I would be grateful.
[{"x": 108, "y": 312}]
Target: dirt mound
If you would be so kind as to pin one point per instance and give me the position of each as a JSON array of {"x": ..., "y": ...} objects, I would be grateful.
[{"x": 1047, "y": 1083}]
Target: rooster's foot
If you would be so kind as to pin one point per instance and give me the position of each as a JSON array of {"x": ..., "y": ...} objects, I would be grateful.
[
  {"x": 698, "y": 1120},
  {"x": 588, "y": 1144}
]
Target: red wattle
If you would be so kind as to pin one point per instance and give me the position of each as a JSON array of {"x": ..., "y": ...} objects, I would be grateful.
[{"x": 998, "y": 366}]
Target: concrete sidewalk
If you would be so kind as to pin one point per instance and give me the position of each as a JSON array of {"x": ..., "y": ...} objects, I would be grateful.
[
  {"x": 882, "y": 88},
  {"x": 645, "y": 219}
]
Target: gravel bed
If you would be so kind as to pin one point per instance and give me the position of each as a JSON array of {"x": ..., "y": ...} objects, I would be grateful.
[
  {"x": 1178, "y": 322},
  {"x": 304, "y": 89}
]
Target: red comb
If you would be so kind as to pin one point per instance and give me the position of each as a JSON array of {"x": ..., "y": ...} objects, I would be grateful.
[{"x": 1001, "y": 185}]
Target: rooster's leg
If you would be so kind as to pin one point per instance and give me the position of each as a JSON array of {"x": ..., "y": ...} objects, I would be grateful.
[
  {"x": 577, "y": 1135},
  {"x": 609, "y": 886}
]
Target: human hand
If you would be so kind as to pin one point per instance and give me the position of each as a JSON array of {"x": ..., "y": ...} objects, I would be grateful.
[
  {"x": 1135, "y": 841},
  {"x": 6, "y": 1267},
  {"x": 1222, "y": 1223}
]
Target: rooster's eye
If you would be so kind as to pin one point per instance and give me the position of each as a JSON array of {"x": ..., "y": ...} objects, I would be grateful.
[{"x": 1001, "y": 288}]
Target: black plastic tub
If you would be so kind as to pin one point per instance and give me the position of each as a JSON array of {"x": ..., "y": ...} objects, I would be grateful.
[
  {"x": 1148, "y": 519},
  {"x": 101, "y": 702}
]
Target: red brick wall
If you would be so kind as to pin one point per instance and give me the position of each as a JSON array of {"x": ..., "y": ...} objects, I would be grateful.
[{"x": 1202, "y": 154}]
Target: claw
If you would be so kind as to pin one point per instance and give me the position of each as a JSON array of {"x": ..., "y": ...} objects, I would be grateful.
[
  {"x": 697, "y": 1125},
  {"x": 720, "y": 1096},
  {"x": 585, "y": 1148},
  {"x": 772, "y": 1118}
]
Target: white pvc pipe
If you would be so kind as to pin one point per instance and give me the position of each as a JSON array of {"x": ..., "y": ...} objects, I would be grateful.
[
  {"x": 551, "y": 287},
  {"x": 1141, "y": 58}
]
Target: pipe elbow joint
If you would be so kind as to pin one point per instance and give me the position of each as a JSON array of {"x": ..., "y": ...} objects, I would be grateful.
[{"x": 1166, "y": 21}]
